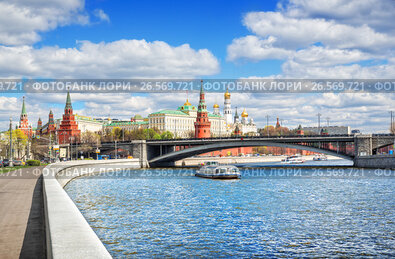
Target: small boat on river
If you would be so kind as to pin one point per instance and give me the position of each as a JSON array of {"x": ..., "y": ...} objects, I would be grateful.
[
  {"x": 218, "y": 172},
  {"x": 320, "y": 157},
  {"x": 294, "y": 159}
]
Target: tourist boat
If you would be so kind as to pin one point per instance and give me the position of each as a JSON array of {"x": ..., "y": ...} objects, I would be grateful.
[
  {"x": 320, "y": 157},
  {"x": 218, "y": 172},
  {"x": 213, "y": 163},
  {"x": 294, "y": 159}
]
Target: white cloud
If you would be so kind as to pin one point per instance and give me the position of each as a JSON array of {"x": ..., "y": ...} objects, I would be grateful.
[
  {"x": 376, "y": 14},
  {"x": 302, "y": 32},
  {"x": 118, "y": 59},
  {"x": 21, "y": 21},
  {"x": 327, "y": 39},
  {"x": 254, "y": 48},
  {"x": 99, "y": 13},
  {"x": 292, "y": 69}
]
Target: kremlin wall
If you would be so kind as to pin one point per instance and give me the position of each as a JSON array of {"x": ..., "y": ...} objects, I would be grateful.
[{"x": 186, "y": 121}]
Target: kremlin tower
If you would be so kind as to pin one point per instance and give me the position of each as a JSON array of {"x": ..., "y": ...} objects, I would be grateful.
[
  {"x": 236, "y": 119},
  {"x": 68, "y": 131},
  {"x": 39, "y": 126},
  {"x": 51, "y": 122},
  {"x": 227, "y": 108},
  {"x": 24, "y": 122},
  {"x": 278, "y": 124},
  {"x": 202, "y": 124}
]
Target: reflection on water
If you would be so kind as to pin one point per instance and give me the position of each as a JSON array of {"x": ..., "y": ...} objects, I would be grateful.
[{"x": 189, "y": 216}]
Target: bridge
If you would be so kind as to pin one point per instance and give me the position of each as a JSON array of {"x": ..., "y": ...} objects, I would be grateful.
[{"x": 166, "y": 152}]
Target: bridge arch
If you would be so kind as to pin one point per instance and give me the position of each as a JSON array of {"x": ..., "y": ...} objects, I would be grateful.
[{"x": 201, "y": 149}]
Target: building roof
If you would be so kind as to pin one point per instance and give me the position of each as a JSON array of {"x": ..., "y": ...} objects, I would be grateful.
[
  {"x": 138, "y": 117},
  {"x": 68, "y": 101},
  {"x": 227, "y": 94},
  {"x": 119, "y": 123},
  {"x": 213, "y": 115},
  {"x": 244, "y": 113},
  {"x": 126, "y": 123},
  {"x": 172, "y": 112},
  {"x": 23, "y": 106}
]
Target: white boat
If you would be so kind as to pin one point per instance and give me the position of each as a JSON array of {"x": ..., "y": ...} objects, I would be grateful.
[
  {"x": 294, "y": 159},
  {"x": 320, "y": 157},
  {"x": 218, "y": 172},
  {"x": 213, "y": 163}
]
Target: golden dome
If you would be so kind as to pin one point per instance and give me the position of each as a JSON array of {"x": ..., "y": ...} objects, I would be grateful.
[
  {"x": 216, "y": 106},
  {"x": 187, "y": 103},
  {"x": 227, "y": 94},
  {"x": 244, "y": 114}
]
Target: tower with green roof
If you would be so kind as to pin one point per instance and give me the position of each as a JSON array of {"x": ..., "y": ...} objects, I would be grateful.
[
  {"x": 24, "y": 125},
  {"x": 202, "y": 124}
]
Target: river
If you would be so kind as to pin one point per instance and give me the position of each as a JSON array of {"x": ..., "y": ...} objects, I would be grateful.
[{"x": 270, "y": 212}]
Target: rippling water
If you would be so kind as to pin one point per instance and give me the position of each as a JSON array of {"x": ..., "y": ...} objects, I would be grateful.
[{"x": 180, "y": 215}]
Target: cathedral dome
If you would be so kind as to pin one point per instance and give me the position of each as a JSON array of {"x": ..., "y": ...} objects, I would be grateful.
[
  {"x": 216, "y": 106},
  {"x": 244, "y": 114},
  {"x": 227, "y": 94},
  {"x": 187, "y": 103}
]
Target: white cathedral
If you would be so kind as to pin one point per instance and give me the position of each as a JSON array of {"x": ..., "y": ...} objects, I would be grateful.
[{"x": 246, "y": 126}]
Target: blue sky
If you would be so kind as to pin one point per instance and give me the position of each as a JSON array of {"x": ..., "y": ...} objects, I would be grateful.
[
  {"x": 202, "y": 24},
  {"x": 201, "y": 39}
]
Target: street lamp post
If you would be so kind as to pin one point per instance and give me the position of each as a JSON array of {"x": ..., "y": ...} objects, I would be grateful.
[
  {"x": 11, "y": 153},
  {"x": 116, "y": 150},
  {"x": 267, "y": 125}
]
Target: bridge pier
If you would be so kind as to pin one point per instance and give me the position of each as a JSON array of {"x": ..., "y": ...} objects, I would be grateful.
[
  {"x": 363, "y": 145},
  {"x": 139, "y": 150}
]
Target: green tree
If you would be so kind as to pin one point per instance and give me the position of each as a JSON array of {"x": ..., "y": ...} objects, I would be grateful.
[
  {"x": 19, "y": 142},
  {"x": 167, "y": 135}
]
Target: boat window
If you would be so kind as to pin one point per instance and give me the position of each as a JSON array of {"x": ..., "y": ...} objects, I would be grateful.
[{"x": 217, "y": 171}]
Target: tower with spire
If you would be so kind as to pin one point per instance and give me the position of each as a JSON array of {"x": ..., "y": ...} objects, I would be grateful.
[
  {"x": 51, "y": 123},
  {"x": 227, "y": 108},
  {"x": 202, "y": 124},
  {"x": 68, "y": 131},
  {"x": 236, "y": 118},
  {"x": 24, "y": 125},
  {"x": 39, "y": 126},
  {"x": 278, "y": 123}
]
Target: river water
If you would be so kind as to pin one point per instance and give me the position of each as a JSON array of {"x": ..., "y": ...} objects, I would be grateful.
[{"x": 299, "y": 212}]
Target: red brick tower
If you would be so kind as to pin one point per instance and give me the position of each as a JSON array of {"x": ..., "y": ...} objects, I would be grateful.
[
  {"x": 51, "y": 123},
  {"x": 278, "y": 124},
  {"x": 300, "y": 131},
  {"x": 202, "y": 124},
  {"x": 68, "y": 131},
  {"x": 24, "y": 122},
  {"x": 39, "y": 126}
]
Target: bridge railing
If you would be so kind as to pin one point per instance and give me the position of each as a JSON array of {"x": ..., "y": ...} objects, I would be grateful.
[{"x": 238, "y": 138}]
